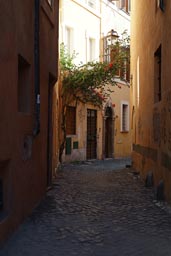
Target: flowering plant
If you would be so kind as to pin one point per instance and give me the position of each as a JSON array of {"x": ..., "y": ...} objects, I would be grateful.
[{"x": 90, "y": 82}]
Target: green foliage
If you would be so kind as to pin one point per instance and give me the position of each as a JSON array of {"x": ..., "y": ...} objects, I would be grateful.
[
  {"x": 66, "y": 60},
  {"x": 90, "y": 82}
]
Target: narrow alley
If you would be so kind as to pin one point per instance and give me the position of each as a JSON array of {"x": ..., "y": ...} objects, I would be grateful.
[{"x": 97, "y": 208}]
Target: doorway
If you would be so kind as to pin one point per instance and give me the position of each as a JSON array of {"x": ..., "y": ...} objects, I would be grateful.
[
  {"x": 108, "y": 132},
  {"x": 91, "y": 133}
]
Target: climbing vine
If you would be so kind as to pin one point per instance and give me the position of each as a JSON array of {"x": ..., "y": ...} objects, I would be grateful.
[{"x": 90, "y": 82}]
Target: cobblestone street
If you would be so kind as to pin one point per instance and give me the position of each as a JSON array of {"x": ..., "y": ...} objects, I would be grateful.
[{"x": 97, "y": 208}]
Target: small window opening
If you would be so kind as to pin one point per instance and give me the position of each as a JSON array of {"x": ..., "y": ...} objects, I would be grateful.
[
  {"x": 23, "y": 85},
  {"x": 157, "y": 75},
  {"x": 125, "y": 118}
]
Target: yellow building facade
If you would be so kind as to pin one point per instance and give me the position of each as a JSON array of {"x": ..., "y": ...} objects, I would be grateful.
[
  {"x": 94, "y": 133},
  {"x": 151, "y": 91}
]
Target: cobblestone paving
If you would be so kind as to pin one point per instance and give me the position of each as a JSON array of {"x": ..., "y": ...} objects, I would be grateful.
[{"x": 95, "y": 209}]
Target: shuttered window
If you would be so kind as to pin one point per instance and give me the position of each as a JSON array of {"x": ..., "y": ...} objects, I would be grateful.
[
  {"x": 71, "y": 120},
  {"x": 120, "y": 60},
  {"x": 124, "y": 117},
  {"x": 125, "y": 5}
]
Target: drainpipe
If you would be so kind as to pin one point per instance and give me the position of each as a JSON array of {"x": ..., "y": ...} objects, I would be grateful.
[{"x": 36, "y": 128}]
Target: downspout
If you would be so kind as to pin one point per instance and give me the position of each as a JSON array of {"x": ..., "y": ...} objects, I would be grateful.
[{"x": 36, "y": 128}]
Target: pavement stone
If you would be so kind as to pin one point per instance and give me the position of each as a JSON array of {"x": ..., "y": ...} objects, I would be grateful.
[{"x": 95, "y": 208}]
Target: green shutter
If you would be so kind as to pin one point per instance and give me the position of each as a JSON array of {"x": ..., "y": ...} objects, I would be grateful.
[
  {"x": 68, "y": 146},
  {"x": 75, "y": 145}
]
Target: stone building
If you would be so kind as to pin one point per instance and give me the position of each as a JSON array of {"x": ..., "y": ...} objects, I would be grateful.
[
  {"x": 94, "y": 133},
  {"x": 28, "y": 68},
  {"x": 151, "y": 92}
]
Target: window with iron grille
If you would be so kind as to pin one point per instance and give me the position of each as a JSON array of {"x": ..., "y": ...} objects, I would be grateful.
[
  {"x": 111, "y": 54},
  {"x": 71, "y": 120}
]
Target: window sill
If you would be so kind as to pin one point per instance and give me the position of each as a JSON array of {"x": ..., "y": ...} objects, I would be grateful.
[
  {"x": 124, "y": 131},
  {"x": 121, "y": 81}
]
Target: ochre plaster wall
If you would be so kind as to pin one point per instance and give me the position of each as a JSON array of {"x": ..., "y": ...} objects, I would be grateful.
[
  {"x": 151, "y": 122},
  {"x": 121, "y": 140}
]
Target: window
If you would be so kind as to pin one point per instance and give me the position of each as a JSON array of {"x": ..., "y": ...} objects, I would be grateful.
[
  {"x": 160, "y": 4},
  {"x": 127, "y": 75},
  {"x": 23, "y": 85},
  {"x": 114, "y": 58},
  {"x": 111, "y": 54},
  {"x": 71, "y": 120},
  {"x": 106, "y": 50},
  {"x": 129, "y": 5},
  {"x": 124, "y": 5},
  {"x": 125, "y": 66},
  {"x": 69, "y": 39},
  {"x": 91, "y": 49},
  {"x": 124, "y": 117},
  {"x": 110, "y": 48},
  {"x": 157, "y": 75}
]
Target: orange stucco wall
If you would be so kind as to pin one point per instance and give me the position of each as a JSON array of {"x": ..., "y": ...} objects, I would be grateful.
[
  {"x": 23, "y": 156},
  {"x": 151, "y": 122}
]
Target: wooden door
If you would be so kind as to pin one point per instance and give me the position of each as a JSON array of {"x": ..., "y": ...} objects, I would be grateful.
[
  {"x": 108, "y": 133},
  {"x": 91, "y": 133}
]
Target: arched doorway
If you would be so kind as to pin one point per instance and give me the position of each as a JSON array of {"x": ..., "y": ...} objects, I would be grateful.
[{"x": 109, "y": 133}]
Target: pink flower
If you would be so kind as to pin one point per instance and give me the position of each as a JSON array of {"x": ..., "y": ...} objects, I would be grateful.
[{"x": 110, "y": 65}]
